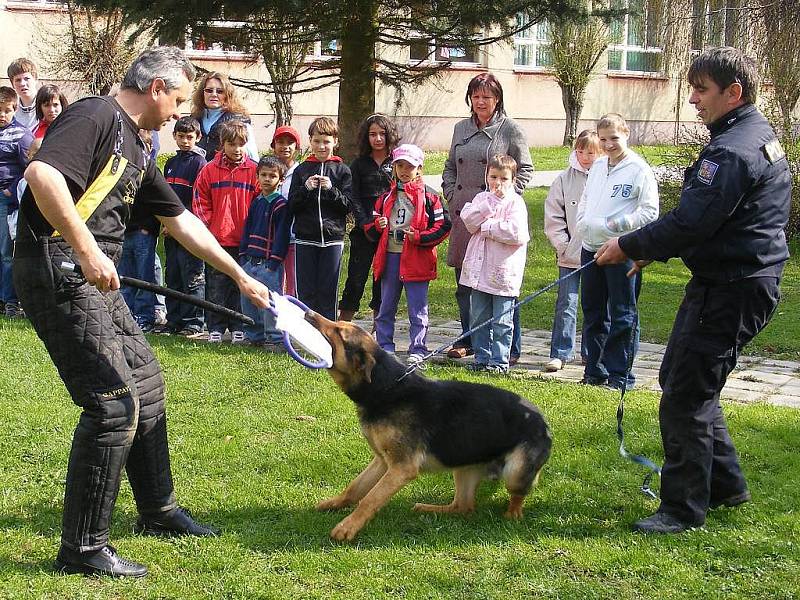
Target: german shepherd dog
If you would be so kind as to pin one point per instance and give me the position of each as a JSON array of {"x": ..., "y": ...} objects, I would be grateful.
[{"x": 415, "y": 424}]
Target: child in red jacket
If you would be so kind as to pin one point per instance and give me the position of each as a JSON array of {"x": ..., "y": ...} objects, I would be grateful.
[
  {"x": 412, "y": 221},
  {"x": 222, "y": 195}
]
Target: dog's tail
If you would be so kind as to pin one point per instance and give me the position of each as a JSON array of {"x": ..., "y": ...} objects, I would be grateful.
[{"x": 524, "y": 463}]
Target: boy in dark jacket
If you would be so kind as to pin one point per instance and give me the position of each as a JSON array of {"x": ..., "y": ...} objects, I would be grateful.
[
  {"x": 319, "y": 200},
  {"x": 265, "y": 240},
  {"x": 185, "y": 272}
]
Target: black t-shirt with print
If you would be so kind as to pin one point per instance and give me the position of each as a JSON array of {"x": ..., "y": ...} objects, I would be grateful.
[{"x": 79, "y": 144}]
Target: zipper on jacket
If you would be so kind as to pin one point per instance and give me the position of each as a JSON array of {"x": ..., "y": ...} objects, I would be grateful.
[{"x": 319, "y": 204}]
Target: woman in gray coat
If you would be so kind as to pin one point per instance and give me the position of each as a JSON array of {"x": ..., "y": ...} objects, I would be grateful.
[{"x": 487, "y": 131}]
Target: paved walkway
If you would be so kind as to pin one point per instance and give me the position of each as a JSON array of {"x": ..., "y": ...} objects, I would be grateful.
[{"x": 756, "y": 379}]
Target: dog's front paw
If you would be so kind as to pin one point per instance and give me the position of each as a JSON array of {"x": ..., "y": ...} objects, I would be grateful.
[
  {"x": 345, "y": 531},
  {"x": 334, "y": 503}
]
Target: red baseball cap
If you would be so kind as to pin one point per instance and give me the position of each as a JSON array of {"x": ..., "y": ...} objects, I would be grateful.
[{"x": 285, "y": 130}]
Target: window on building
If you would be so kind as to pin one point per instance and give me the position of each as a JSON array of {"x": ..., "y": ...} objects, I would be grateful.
[
  {"x": 635, "y": 46},
  {"x": 532, "y": 45},
  {"x": 422, "y": 48},
  {"x": 718, "y": 23}
]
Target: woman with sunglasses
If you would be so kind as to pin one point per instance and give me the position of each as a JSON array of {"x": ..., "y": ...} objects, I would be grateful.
[{"x": 214, "y": 102}]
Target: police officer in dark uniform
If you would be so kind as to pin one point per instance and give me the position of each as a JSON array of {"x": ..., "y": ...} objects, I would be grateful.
[
  {"x": 729, "y": 231},
  {"x": 81, "y": 191}
]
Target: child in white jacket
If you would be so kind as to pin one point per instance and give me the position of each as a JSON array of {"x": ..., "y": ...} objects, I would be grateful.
[
  {"x": 560, "y": 213},
  {"x": 494, "y": 262},
  {"x": 621, "y": 195}
]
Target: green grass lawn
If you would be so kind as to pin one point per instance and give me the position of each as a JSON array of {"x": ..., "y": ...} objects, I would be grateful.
[
  {"x": 243, "y": 461},
  {"x": 553, "y": 158}
]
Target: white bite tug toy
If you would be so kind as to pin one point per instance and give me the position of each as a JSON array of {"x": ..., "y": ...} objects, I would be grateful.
[{"x": 290, "y": 319}]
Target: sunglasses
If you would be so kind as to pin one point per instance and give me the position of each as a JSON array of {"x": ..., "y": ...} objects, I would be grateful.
[{"x": 214, "y": 91}]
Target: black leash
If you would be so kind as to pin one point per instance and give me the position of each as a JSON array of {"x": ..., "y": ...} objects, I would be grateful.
[
  {"x": 443, "y": 347},
  {"x": 175, "y": 294}
]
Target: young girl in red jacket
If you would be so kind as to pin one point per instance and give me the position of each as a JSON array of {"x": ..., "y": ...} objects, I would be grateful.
[{"x": 411, "y": 221}]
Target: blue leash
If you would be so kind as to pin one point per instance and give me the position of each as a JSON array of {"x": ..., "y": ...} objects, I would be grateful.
[{"x": 443, "y": 347}]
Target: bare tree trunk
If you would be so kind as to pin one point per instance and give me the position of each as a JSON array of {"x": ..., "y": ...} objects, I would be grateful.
[
  {"x": 282, "y": 106},
  {"x": 572, "y": 99},
  {"x": 357, "y": 86}
]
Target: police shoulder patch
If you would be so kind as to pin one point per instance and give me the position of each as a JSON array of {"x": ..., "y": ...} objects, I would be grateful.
[
  {"x": 774, "y": 151},
  {"x": 707, "y": 171}
]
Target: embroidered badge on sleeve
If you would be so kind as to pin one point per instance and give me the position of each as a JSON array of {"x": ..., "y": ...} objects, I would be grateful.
[{"x": 707, "y": 171}]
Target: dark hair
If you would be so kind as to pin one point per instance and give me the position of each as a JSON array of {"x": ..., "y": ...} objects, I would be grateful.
[
  {"x": 233, "y": 131},
  {"x": 187, "y": 125},
  {"x": 385, "y": 123},
  {"x": 502, "y": 162},
  {"x": 725, "y": 66},
  {"x": 7, "y": 94},
  {"x": 47, "y": 93},
  {"x": 272, "y": 162},
  {"x": 20, "y": 66},
  {"x": 323, "y": 126},
  {"x": 488, "y": 82}
]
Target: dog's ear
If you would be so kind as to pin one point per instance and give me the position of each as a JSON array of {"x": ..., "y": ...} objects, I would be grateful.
[{"x": 365, "y": 363}]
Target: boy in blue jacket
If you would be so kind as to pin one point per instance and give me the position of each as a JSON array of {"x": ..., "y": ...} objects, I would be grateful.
[
  {"x": 185, "y": 272},
  {"x": 265, "y": 241},
  {"x": 15, "y": 140}
]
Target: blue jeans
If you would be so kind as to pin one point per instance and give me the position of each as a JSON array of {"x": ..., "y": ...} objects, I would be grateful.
[
  {"x": 562, "y": 341},
  {"x": 608, "y": 297},
  {"x": 463, "y": 299},
  {"x": 492, "y": 344},
  {"x": 184, "y": 273},
  {"x": 264, "y": 328},
  {"x": 7, "y": 293},
  {"x": 139, "y": 261}
]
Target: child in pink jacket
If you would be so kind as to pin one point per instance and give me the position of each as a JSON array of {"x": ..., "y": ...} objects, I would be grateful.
[{"x": 495, "y": 262}]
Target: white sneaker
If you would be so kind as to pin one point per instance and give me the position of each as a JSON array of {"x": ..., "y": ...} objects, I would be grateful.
[
  {"x": 237, "y": 337},
  {"x": 555, "y": 364},
  {"x": 215, "y": 337},
  {"x": 416, "y": 360}
]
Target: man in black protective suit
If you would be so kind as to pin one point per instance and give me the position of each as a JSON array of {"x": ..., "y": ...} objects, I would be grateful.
[
  {"x": 729, "y": 231},
  {"x": 81, "y": 190}
]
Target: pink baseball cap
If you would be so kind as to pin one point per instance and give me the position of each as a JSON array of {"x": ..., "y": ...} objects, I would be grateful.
[
  {"x": 409, "y": 153},
  {"x": 285, "y": 130}
]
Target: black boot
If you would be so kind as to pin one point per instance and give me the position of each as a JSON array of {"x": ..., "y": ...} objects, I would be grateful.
[
  {"x": 661, "y": 522},
  {"x": 104, "y": 561},
  {"x": 175, "y": 522}
]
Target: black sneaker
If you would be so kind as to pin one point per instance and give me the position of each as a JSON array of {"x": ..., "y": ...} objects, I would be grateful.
[
  {"x": 477, "y": 367},
  {"x": 104, "y": 561},
  {"x": 176, "y": 522},
  {"x": 661, "y": 522},
  {"x": 731, "y": 501}
]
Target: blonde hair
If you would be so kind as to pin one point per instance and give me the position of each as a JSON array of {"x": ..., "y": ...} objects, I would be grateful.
[
  {"x": 613, "y": 121},
  {"x": 232, "y": 102},
  {"x": 323, "y": 126},
  {"x": 587, "y": 139}
]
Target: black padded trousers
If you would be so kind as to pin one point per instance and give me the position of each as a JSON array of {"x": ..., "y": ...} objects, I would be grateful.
[{"x": 111, "y": 373}]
